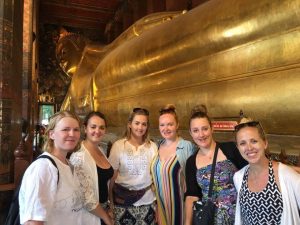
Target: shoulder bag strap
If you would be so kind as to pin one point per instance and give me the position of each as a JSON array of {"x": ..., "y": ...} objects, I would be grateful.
[
  {"x": 211, "y": 182},
  {"x": 52, "y": 161}
]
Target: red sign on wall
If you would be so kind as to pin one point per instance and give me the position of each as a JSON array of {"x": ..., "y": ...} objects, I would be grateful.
[{"x": 224, "y": 125}]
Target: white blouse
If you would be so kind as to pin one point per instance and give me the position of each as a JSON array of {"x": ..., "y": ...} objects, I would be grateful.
[{"x": 133, "y": 165}]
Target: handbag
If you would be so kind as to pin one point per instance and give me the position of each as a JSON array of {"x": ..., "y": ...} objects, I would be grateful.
[
  {"x": 204, "y": 212},
  {"x": 126, "y": 197}
]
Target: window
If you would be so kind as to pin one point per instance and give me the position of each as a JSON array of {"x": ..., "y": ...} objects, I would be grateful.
[{"x": 45, "y": 112}]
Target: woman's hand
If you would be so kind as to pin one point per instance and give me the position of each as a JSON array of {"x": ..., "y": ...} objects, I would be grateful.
[
  {"x": 110, "y": 212},
  {"x": 103, "y": 214},
  {"x": 189, "y": 201}
]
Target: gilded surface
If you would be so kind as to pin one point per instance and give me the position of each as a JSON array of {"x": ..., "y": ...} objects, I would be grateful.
[{"x": 230, "y": 55}]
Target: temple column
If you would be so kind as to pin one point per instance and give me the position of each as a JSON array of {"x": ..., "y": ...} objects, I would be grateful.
[
  {"x": 29, "y": 71},
  {"x": 10, "y": 84},
  {"x": 10, "y": 91}
]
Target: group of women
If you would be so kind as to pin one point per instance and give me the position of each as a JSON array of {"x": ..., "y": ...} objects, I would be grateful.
[{"x": 146, "y": 183}]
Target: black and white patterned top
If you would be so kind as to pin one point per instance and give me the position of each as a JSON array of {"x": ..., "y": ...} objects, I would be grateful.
[{"x": 263, "y": 207}]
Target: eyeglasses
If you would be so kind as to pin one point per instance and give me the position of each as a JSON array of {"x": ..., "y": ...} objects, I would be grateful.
[
  {"x": 247, "y": 124},
  {"x": 135, "y": 110}
]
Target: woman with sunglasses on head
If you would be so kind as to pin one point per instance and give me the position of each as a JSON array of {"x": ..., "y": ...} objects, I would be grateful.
[
  {"x": 199, "y": 165},
  {"x": 168, "y": 169},
  {"x": 268, "y": 191},
  {"x": 92, "y": 167},
  {"x": 130, "y": 188}
]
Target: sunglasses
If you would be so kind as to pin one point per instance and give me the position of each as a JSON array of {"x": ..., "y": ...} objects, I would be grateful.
[
  {"x": 247, "y": 124},
  {"x": 135, "y": 110}
]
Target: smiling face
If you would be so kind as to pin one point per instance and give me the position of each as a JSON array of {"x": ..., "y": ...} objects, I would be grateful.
[
  {"x": 250, "y": 144},
  {"x": 168, "y": 126},
  {"x": 201, "y": 132},
  {"x": 65, "y": 134},
  {"x": 138, "y": 126},
  {"x": 95, "y": 129}
]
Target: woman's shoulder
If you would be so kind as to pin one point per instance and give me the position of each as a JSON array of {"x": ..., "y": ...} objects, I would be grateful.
[
  {"x": 232, "y": 153},
  {"x": 42, "y": 167},
  {"x": 240, "y": 173},
  {"x": 285, "y": 169},
  {"x": 192, "y": 158},
  {"x": 118, "y": 148},
  {"x": 185, "y": 149},
  {"x": 184, "y": 142},
  {"x": 119, "y": 142},
  {"x": 288, "y": 176},
  {"x": 153, "y": 144},
  {"x": 77, "y": 157}
]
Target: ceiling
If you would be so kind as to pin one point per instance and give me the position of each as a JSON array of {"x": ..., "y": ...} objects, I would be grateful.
[{"x": 84, "y": 14}]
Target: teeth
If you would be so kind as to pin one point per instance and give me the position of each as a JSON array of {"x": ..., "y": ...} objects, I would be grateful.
[{"x": 251, "y": 154}]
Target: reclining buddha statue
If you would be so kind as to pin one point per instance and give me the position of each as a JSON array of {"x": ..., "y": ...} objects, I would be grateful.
[
  {"x": 78, "y": 58},
  {"x": 229, "y": 55}
]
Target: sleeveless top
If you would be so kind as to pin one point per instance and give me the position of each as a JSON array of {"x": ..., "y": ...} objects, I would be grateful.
[
  {"x": 104, "y": 176},
  {"x": 169, "y": 184},
  {"x": 263, "y": 207},
  {"x": 224, "y": 192}
]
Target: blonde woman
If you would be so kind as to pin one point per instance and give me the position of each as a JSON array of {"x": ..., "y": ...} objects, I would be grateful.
[
  {"x": 130, "y": 188},
  {"x": 43, "y": 198},
  {"x": 268, "y": 191}
]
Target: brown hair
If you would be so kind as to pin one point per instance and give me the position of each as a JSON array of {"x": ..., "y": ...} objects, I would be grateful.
[
  {"x": 135, "y": 112},
  {"x": 91, "y": 114},
  {"x": 169, "y": 109},
  {"x": 54, "y": 119},
  {"x": 200, "y": 111}
]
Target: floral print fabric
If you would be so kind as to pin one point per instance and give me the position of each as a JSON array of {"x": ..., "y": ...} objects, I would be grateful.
[{"x": 224, "y": 192}]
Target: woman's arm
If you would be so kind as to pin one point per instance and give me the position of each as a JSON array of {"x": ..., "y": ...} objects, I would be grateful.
[
  {"x": 90, "y": 199},
  {"x": 110, "y": 189},
  {"x": 193, "y": 192},
  {"x": 37, "y": 192},
  {"x": 100, "y": 212},
  {"x": 189, "y": 200}
]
